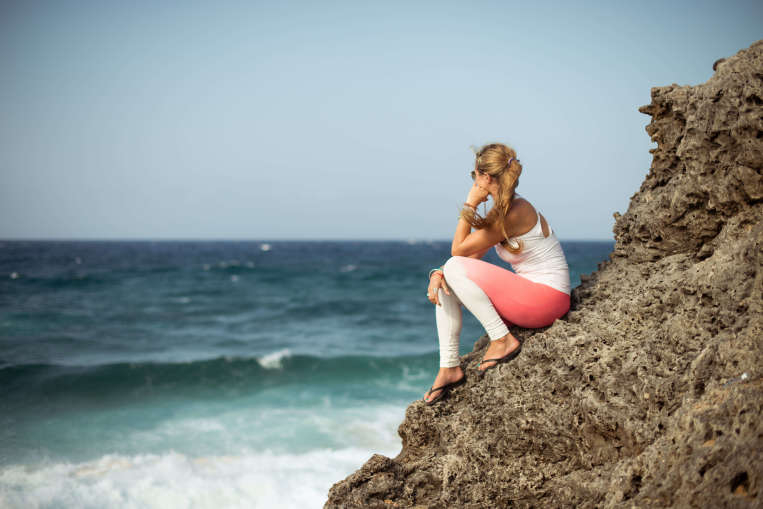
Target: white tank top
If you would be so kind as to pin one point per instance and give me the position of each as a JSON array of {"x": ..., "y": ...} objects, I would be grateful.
[{"x": 541, "y": 259}]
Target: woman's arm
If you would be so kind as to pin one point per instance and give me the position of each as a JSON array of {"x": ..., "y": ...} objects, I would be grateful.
[
  {"x": 480, "y": 254},
  {"x": 474, "y": 243}
]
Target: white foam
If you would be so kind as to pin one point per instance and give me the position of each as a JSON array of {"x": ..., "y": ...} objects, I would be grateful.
[
  {"x": 244, "y": 480},
  {"x": 237, "y": 456},
  {"x": 274, "y": 360},
  {"x": 372, "y": 428},
  {"x": 348, "y": 268}
]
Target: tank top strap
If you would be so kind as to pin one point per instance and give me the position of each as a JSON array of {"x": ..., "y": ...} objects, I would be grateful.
[{"x": 537, "y": 227}]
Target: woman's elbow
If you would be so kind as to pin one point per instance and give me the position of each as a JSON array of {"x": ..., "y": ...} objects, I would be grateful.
[{"x": 458, "y": 251}]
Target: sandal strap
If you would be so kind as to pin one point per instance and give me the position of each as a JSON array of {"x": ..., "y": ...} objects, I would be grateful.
[
  {"x": 429, "y": 394},
  {"x": 509, "y": 355},
  {"x": 446, "y": 386}
]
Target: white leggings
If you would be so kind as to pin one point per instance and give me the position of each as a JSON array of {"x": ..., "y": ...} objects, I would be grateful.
[{"x": 448, "y": 316}]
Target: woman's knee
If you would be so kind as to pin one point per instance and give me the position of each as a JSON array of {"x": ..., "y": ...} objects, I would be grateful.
[{"x": 454, "y": 266}]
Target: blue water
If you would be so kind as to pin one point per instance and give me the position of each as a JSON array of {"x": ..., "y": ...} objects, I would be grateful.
[{"x": 226, "y": 374}]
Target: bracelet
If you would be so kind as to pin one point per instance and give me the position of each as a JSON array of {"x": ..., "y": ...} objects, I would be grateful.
[
  {"x": 438, "y": 269},
  {"x": 464, "y": 214},
  {"x": 467, "y": 204}
]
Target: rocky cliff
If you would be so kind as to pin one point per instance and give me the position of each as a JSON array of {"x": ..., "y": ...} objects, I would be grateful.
[{"x": 649, "y": 392}]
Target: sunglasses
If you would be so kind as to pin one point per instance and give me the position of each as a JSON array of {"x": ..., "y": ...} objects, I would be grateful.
[{"x": 473, "y": 174}]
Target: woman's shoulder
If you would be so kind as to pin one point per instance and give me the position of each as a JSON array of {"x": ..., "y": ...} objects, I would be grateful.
[
  {"x": 519, "y": 202},
  {"x": 521, "y": 218}
]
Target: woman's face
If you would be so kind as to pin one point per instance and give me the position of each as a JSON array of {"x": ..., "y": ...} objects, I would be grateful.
[
  {"x": 480, "y": 179},
  {"x": 484, "y": 181}
]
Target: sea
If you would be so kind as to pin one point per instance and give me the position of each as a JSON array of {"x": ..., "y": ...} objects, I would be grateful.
[{"x": 189, "y": 374}]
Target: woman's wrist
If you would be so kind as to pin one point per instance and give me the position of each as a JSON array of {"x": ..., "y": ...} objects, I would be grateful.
[{"x": 438, "y": 270}]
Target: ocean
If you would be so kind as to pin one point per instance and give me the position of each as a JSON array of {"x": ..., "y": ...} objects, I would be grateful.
[{"x": 212, "y": 374}]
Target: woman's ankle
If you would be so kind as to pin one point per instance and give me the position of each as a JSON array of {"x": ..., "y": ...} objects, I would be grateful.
[
  {"x": 508, "y": 340},
  {"x": 452, "y": 370}
]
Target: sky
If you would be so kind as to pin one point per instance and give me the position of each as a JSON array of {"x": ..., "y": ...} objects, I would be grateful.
[{"x": 332, "y": 120}]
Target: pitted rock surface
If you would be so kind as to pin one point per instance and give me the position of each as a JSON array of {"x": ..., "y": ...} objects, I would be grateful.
[{"x": 648, "y": 393}]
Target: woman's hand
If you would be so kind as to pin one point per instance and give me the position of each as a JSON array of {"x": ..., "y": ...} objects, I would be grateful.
[
  {"x": 477, "y": 195},
  {"x": 436, "y": 282}
]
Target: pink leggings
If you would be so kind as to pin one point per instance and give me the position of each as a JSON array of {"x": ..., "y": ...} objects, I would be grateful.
[{"x": 496, "y": 297}]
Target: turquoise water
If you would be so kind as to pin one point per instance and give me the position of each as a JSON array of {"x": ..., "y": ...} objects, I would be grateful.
[{"x": 235, "y": 374}]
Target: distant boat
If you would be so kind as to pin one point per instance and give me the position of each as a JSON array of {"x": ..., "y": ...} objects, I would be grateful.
[{"x": 265, "y": 247}]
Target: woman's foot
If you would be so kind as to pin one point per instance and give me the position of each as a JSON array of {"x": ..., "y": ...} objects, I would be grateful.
[
  {"x": 444, "y": 376},
  {"x": 499, "y": 349}
]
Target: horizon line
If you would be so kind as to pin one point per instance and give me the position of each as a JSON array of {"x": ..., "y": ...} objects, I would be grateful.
[{"x": 233, "y": 239}]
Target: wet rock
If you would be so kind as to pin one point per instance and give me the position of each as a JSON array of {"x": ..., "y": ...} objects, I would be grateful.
[{"x": 636, "y": 398}]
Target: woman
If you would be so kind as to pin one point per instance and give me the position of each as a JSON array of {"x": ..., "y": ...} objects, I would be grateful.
[{"x": 535, "y": 296}]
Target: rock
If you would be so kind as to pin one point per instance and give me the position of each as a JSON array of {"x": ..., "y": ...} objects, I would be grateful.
[{"x": 648, "y": 392}]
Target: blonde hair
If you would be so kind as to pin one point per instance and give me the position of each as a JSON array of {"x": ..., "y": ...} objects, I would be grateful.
[{"x": 500, "y": 162}]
